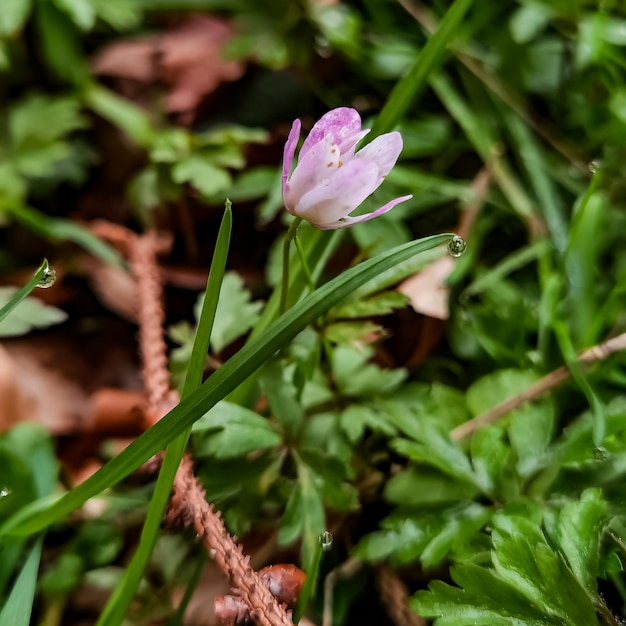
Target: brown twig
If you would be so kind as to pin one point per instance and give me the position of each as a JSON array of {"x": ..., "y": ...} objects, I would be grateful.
[
  {"x": 394, "y": 596},
  {"x": 188, "y": 500},
  {"x": 538, "y": 388}
]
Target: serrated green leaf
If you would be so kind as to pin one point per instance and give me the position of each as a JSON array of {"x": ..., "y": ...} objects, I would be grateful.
[
  {"x": 379, "y": 304},
  {"x": 356, "y": 377},
  {"x": 29, "y": 314},
  {"x": 489, "y": 456},
  {"x": 282, "y": 396},
  {"x": 39, "y": 120},
  {"x": 425, "y": 485},
  {"x": 200, "y": 173},
  {"x": 235, "y": 313},
  {"x": 231, "y": 430},
  {"x": 538, "y": 573},
  {"x": 436, "y": 449},
  {"x": 457, "y": 528},
  {"x": 578, "y": 533},
  {"x": 352, "y": 333}
]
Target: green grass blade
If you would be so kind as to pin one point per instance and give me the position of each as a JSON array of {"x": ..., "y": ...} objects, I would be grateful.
[
  {"x": 19, "y": 295},
  {"x": 121, "y": 598},
  {"x": 430, "y": 58},
  {"x": 236, "y": 370},
  {"x": 19, "y": 605},
  {"x": 537, "y": 168},
  {"x": 479, "y": 135}
]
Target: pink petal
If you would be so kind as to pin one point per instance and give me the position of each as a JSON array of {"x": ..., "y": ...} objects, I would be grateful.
[
  {"x": 341, "y": 123},
  {"x": 289, "y": 152},
  {"x": 351, "y": 221},
  {"x": 319, "y": 163},
  {"x": 347, "y": 147},
  {"x": 384, "y": 151},
  {"x": 339, "y": 194}
]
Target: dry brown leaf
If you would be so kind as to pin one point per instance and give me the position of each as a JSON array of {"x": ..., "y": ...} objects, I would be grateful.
[
  {"x": 427, "y": 291},
  {"x": 187, "y": 59}
]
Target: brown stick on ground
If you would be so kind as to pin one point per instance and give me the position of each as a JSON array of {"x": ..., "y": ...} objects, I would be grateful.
[
  {"x": 554, "y": 378},
  {"x": 188, "y": 499}
]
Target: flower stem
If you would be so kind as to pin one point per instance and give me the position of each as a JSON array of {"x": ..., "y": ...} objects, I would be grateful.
[
  {"x": 305, "y": 265},
  {"x": 291, "y": 234}
]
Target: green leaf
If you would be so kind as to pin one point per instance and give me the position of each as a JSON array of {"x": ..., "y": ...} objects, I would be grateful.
[
  {"x": 379, "y": 304},
  {"x": 120, "y": 14},
  {"x": 425, "y": 486},
  {"x": 355, "y": 377},
  {"x": 435, "y": 448},
  {"x": 313, "y": 518},
  {"x": 200, "y": 173},
  {"x": 61, "y": 46},
  {"x": 80, "y": 11},
  {"x": 29, "y": 314},
  {"x": 19, "y": 605},
  {"x": 14, "y": 16},
  {"x": 352, "y": 333},
  {"x": 538, "y": 573},
  {"x": 123, "y": 113},
  {"x": 233, "y": 298},
  {"x": 229, "y": 430},
  {"x": 282, "y": 396},
  {"x": 578, "y": 533},
  {"x": 429, "y": 537}
]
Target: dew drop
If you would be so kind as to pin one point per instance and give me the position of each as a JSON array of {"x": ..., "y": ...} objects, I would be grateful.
[
  {"x": 594, "y": 166},
  {"x": 49, "y": 276},
  {"x": 326, "y": 540},
  {"x": 456, "y": 246},
  {"x": 600, "y": 454},
  {"x": 4, "y": 492}
]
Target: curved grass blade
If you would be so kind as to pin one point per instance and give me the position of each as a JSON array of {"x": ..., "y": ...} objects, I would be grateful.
[
  {"x": 430, "y": 58},
  {"x": 237, "y": 369},
  {"x": 42, "y": 271},
  {"x": 122, "y": 596}
]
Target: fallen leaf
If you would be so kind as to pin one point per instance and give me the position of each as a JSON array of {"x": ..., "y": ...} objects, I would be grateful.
[
  {"x": 427, "y": 291},
  {"x": 187, "y": 59}
]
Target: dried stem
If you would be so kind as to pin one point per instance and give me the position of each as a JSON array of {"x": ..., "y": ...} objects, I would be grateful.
[
  {"x": 554, "y": 378},
  {"x": 188, "y": 499},
  {"x": 394, "y": 596}
]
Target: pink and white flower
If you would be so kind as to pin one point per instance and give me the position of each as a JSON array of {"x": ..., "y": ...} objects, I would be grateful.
[{"x": 331, "y": 179}]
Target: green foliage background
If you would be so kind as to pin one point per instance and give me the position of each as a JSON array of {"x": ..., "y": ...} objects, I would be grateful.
[{"x": 521, "y": 523}]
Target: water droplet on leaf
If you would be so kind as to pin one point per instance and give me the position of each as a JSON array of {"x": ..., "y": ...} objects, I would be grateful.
[
  {"x": 4, "y": 492},
  {"x": 595, "y": 166},
  {"x": 326, "y": 540},
  {"x": 456, "y": 246},
  {"x": 600, "y": 454},
  {"x": 49, "y": 276}
]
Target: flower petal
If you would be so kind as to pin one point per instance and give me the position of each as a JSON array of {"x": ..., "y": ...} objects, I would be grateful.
[
  {"x": 351, "y": 221},
  {"x": 341, "y": 123},
  {"x": 338, "y": 195},
  {"x": 384, "y": 151},
  {"x": 289, "y": 152},
  {"x": 319, "y": 163}
]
